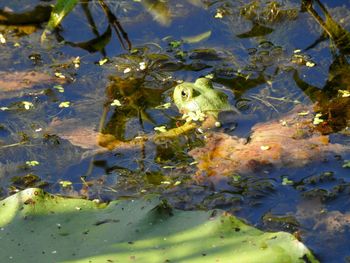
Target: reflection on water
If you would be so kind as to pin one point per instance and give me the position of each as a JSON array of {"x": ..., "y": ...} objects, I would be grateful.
[{"x": 88, "y": 114}]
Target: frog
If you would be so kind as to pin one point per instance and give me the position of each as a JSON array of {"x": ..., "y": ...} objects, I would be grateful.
[
  {"x": 200, "y": 97},
  {"x": 201, "y": 105}
]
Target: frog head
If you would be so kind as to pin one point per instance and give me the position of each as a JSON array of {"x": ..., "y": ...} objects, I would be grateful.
[{"x": 200, "y": 97}]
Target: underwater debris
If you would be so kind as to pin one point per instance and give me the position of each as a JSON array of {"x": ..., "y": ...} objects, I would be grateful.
[{"x": 294, "y": 144}]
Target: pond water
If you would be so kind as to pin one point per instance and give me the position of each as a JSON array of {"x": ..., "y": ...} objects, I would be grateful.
[{"x": 78, "y": 111}]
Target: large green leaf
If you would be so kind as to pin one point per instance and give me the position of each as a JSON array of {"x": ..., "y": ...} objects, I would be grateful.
[{"x": 38, "y": 227}]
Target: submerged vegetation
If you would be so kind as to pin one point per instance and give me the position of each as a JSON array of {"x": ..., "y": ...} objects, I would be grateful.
[{"x": 237, "y": 105}]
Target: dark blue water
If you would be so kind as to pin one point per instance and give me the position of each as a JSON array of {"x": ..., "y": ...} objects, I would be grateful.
[{"x": 254, "y": 66}]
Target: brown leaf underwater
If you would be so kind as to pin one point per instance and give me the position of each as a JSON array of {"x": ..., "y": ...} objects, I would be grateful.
[
  {"x": 291, "y": 142},
  {"x": 77, "y": 134},
  {"x": 326, "y": 223},
  {"x": 11, "y": 82},
  {"x": 87, "y": 137}
]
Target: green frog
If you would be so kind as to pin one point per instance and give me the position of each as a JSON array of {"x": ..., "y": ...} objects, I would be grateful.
[
  {"x": 200, "y": 97},
  {"x": 198, "y": 101}
]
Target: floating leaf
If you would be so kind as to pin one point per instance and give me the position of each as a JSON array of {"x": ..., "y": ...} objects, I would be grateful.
[
  {"x": 60, "y": 75},
  {"x": 71, "y": 230},
  {"x": 177, "y": 183},
  {"x": 103, "y": 61},
  {"x": 236, "y": 178},
  {"x": 346, "y": 164},
  {"x": 310, "y": 64},
  {"x": 286, "y": 181},
  {"x": 163, "y": 106},
  {"x": 197, "y": 38},
  {"x": 217, "y": 124},
  {"x": 32, "y": 163},
  {"x": 59, "y": 88},
  {"x": 344, "y": 93},
  {"x": 283, "y": 122},
  {"x": 169, "y": 167},
  {"x": 219, "y": 14},
  {"x": 76, "y": 62},
  {"x": 303, "y": 113},
  {"x": 265, "y": 147},
  {"x": 27, "y": 105},
  {"x": 317, "y": 120},
  {"x": 116, "y": 103},
  {"x": 127, "y": 70},
  {"x": 175, "y": 44},
  {"x": 64, "y": 104},
  {"x": 2, "y": 39},
  {"x": 180, "y": 54},
  {"x": 160, "y": 129},
  {"x": 142, "y": 65},
  {"x": 194, "y": 116},
  {"x": 65, "y": 184}
]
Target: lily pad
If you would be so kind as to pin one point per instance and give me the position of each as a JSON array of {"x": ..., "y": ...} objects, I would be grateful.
[{"x": 39, "y": 227}]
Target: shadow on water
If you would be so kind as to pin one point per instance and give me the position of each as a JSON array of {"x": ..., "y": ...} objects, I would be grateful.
[
  {"x": 335, "y": 108},
  {"x": 101, "y": 40}
]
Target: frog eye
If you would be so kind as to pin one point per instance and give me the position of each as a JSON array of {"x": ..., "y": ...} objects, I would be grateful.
[{"x": 186, "y": 93}]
